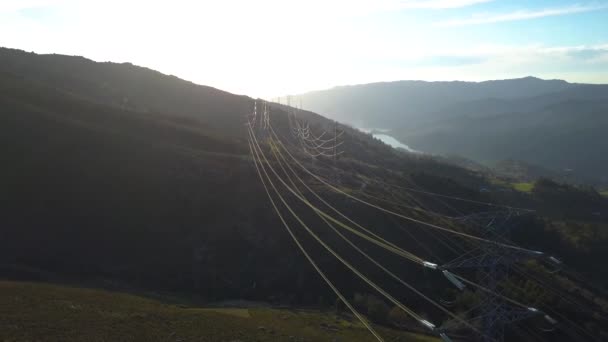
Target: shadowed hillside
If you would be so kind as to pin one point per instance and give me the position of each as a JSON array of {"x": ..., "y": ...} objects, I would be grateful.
[
  {"x": 117, "y": 176},
  {"x": 96, "y": 190}
]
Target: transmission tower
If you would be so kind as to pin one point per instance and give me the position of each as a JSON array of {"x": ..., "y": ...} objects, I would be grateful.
[
  {"x": 491, "y": 263},
  {"x": 336, "y": 175}
]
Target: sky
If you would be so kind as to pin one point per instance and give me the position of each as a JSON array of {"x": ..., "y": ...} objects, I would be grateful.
[{"x": 268, "y": 48}]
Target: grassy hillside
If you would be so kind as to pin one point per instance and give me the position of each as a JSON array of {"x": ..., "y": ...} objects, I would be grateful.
[
  {"x": 523, "y": 187},
  {"x": 41, "y": 312}
]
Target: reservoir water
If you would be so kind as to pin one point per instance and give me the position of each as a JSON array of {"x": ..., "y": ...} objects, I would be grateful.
[{"x": 387, "y": 139}]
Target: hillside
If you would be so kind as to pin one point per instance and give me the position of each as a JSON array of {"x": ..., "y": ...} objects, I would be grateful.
[
  {"x": 42, "y": 312},
  {"x": 134, "y": 196},
  {"x": 120, "y": 177},
  {"x": 128, "y": 87},
  {"x": 551, "y": 123}
]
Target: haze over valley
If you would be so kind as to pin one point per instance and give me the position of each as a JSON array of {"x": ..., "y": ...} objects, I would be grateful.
[{"x": 551, "y": 123}]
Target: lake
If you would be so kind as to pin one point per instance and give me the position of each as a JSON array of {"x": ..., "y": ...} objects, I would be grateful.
[{"x": 387, "y": 139}]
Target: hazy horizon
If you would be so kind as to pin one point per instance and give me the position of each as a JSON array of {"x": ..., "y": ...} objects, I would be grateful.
[
  {"x": 283, "y": 96},
  {"x": 270, "y": 48}
]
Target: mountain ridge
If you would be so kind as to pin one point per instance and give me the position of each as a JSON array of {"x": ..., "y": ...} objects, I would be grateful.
[
  {"x": 419, "y": 113},
  {"x": 406, "y": 81}
]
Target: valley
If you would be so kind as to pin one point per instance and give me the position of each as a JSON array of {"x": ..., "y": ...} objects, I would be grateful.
[{"x": 119, "y": 177}]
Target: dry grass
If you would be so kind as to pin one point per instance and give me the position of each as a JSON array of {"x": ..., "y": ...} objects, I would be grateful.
[{"x": 42, "y": 312}]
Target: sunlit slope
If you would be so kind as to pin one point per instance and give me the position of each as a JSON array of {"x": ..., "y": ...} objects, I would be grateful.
[{"x": 40, "y": 312}]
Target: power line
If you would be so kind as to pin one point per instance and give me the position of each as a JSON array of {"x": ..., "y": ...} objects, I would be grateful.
[
  {"x": 354, "y": 246},
  {"x": 410, "y": 312},
  {"x": 397, "y": 214},
  {"x": 309, "y": 141},
  {"x": 311, "y": 261}
]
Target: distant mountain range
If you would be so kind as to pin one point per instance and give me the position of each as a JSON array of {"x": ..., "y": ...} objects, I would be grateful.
[{"x": 558, "y": 125}]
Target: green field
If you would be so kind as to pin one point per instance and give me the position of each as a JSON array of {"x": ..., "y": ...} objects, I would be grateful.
[
  {"x": 41, "y": 312},
  {"x": 523, "y": 187},
  {"x": 604, "y": 193}
]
